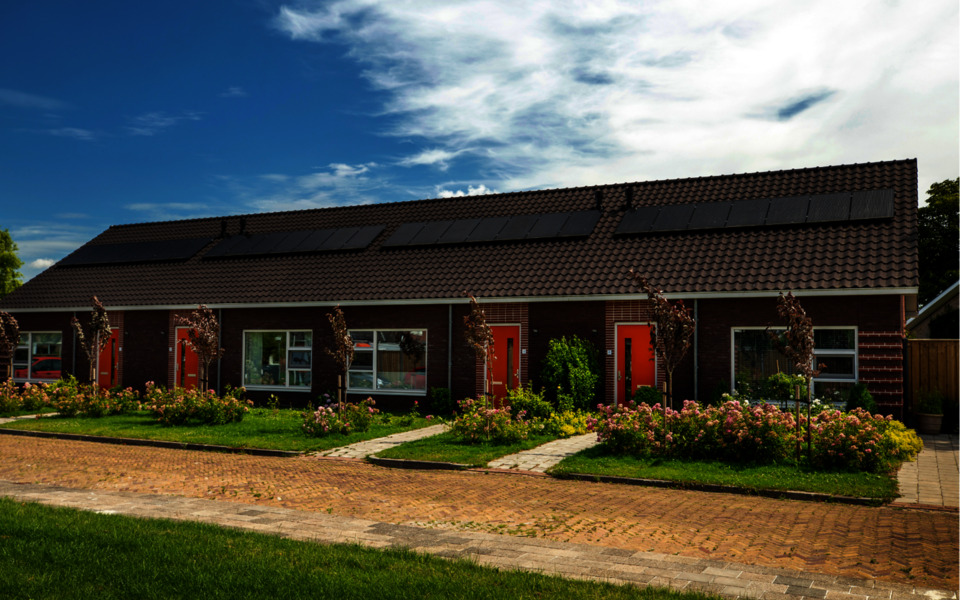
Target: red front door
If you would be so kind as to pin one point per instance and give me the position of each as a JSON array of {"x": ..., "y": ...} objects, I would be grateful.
[
  {"x": 635, "y": 364},
  {"x": 505, "y": 372},
  {"x": 108, "y": 362},
  {"x": 187, "y": 364}
]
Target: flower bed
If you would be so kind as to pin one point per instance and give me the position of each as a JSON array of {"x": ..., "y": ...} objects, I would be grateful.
[{"x": 737, "y": 431}]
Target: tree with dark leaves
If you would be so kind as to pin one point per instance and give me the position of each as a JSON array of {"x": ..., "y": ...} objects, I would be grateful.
[
  {"x": 203, "y": 335},
  {"x": 9, "y": 338},
  {"x": 342, "y": 351},
  {"x": 93, "y": 335},
  {"x": 480, "y": 337}
]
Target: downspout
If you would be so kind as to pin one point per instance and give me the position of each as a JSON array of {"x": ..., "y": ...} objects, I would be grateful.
[
  {"x": 450, "y": 347},
  {"x": 696, "y": 354},
  {"x": 73, "y": 359},
  {"x": 219, "y": 345}
]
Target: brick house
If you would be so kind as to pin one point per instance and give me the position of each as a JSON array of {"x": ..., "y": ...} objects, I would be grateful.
[{"x": 543, "y": 263}]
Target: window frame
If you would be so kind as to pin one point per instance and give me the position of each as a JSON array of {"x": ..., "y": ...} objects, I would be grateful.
[
  {"x": 818, "y": 354},
  {"x": 286, "y": 387},
  {"x": 31, "y": 358},
  {"x": 375, "y": 370}
]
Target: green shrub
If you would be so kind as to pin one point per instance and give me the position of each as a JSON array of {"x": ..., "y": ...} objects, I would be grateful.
[
  {"x": 570, "y": 373},
  {"x": 525, "y": 400},
  {"x": 781, "y": 387},
  {"x": 901, "y": 443},
  {"x": 179, "y": 405},
  {"x": 647, "y": 394},
  {"x": 565, "y": 424},
  {"x": 931, "y": 403},
  {"x": 9, "y": 397},
  {"x": 860, "y": 397},
  {"x": 329, "y": 419},
  {"x": 440, "y": 402}
]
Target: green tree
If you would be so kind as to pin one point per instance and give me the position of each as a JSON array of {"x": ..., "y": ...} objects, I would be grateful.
[
  {"x": 9, "y": 264},
  {"x": 938, "y": 237}
]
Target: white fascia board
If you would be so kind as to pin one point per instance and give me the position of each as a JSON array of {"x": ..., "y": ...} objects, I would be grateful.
[{"x": 493, "y": 299}]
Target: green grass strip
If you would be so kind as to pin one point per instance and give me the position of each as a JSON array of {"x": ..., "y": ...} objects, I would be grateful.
[
  {"x": 596, "y": 461},
  {"x": 65, "y": 553},
  {"x": 260, "y": 428},
  {"x": 446, "y": 448}
]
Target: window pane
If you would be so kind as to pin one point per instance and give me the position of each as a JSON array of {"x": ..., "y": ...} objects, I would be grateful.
[
  {"x": 300, "y": 378},
  {"x": 265, "y": 355},
  {"x": 299, "y": 359},
  {"x": 46, "y": 344},
  {"x": 362, "y": 361},
  {"x": 361, "y": 380},
  {"x": 362, "y": 339},
  {"x": 301, "y": 339},
  {"x": 21, "y": 360},
  {"x": 401, "y": 360},
  {"x": 834, "y": 339},
  {"x": 836, "y": 366},
  {"x": 755, "y": 358}
]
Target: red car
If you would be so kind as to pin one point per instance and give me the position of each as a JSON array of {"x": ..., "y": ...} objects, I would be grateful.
[{"x": 44, "y": 367}]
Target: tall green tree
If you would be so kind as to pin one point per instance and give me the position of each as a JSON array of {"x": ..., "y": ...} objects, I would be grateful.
[
  {"x": 10, "y": 263},
  {"x": 938, "y": 238}
]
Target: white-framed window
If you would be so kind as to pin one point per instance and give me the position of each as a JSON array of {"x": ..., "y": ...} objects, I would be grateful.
[
  {"x": 754, "y": 358},
  {"x": 389, "y": 360},
  {"x": 278, "y": 359},
  {"x": 38, "y": 356}
]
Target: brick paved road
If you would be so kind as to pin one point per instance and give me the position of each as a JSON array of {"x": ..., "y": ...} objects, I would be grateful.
[{"x": 915, "y": 547}]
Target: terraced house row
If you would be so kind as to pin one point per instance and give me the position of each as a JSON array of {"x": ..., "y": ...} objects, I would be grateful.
[{"x": 544, "y": 264}]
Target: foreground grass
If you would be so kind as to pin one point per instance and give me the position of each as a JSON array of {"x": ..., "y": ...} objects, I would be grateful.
[
  {"x": 595, "y": 461},
  {"x": 260, "y": 428},
  {"x": 446, "y": 448},
  {"x": 64, "y": 553}
]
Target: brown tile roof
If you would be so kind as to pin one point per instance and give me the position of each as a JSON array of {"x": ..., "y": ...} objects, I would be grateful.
[{"x": 851, "y": 255}]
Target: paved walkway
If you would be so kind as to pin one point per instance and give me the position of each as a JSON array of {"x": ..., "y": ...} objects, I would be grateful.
[
  {"x": 934, "y": 478},
  {"x": 824, "y": 540},
  {"x": 365, "y": 449},
  {"x": 543, "y": 457},
  {"x": 580, "y": 561}
]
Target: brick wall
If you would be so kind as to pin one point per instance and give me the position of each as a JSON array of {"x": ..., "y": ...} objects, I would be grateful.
[{"x": 505, "y": 314}]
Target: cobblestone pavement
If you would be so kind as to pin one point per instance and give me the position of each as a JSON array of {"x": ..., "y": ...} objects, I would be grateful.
[
  {"x": 543, "y": 457},
  {"x": 365, "y": 449},
  {"x": 911, "y": 547},
  {"x": 934, "y": 478},
  {"x": 508, "y": 552}
]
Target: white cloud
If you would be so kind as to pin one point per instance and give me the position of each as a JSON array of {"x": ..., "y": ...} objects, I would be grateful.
[
  {"x": 73, "y": 132},
  {"x": 151, "y": 123},
  {"x": 234, "y": 92},
  {"x": 20, "y": 99},
  {"x": 479, "y": 190},
  {"x": 42, "y": 263},
  {"x": 555, "y": 94},
  {"x": 434, "y": 156}
]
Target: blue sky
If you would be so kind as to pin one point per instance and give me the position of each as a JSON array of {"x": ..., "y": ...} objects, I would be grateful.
[{"x": 123, "y": 112}]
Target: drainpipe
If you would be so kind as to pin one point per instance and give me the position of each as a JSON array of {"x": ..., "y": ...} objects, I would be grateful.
[
  {"x": 73, "y": 360},
  {"x": 450, "y": 347},
  {"x": 696, "y": 354},
  {"x": 219, "y": 345}
]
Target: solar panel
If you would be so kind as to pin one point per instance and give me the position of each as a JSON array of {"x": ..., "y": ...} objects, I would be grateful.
[
  {"x": 517, "y": 227},
  {"x": 314, "y": 242},
  {"x": 458, "y": 231},
  {"x": 874, "y": 204},
  {"x": 264, "y": 243},
  {"x": 788, "y": 211},
  {"x": 363, "y": 238},
  {"x": 639, "y": 220},
  {"x": 403, "y": 234},
  {"x": 829, "y": 207},
  {"x": 710, "y": 215},
  {"x": 580, "y": 223},
  {"x": 673, "y": 217},
  {"x": 290, "y": 242},
  {"x": 548, "y": 226},
  {"x": 431, "y": 232},
  {"x": 339, "y": 238},
  {"x": 225, "y": 246},
  {"x": 487, "y": 229},
  {"x": 161, "y": 250},
  {"x": 748, "y": 213}
]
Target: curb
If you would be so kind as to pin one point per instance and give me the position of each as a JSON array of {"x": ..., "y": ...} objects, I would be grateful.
[
  {"x": 427, "y": 465},
  {"x": 152, "y": 443},
  {"x": 725, "y": 489}
]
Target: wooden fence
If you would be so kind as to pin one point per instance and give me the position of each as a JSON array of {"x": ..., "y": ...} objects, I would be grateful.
[{"x": 932, "y": 365}]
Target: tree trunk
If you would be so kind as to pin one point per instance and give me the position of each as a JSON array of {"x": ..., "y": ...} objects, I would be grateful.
[
  {"x": 796, "y": 410},
  {"x": 340, "y": 393},
  {"x": 809, "y": 402}
]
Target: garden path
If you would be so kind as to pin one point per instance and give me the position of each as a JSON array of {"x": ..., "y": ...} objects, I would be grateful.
[
  {"x": 365, "y": 449},
  {"x": 543, "y": 457},
  {"x": 934, "y": 478}
]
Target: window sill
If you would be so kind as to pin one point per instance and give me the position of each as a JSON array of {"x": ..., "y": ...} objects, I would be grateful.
[
  {"x": 277, "y": 388},
  {"x": 370, "y": 392}
]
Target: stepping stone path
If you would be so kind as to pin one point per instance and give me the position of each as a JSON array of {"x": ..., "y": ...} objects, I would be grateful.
[
  {"x": 365, "y": 449},
  {"x": 934, "y": 478},
  {"x": 543, "y": 457}
]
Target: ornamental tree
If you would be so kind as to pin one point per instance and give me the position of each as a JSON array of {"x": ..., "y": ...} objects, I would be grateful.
[
  {"x": 203, "y": 336},
  {"x": 342, "y": 351},
  {"x": 9, "y": 338},
  {"x": 796, "y": 343},
  {"x": 480, "y": 338},
  {"x": 93, "y": 335}
]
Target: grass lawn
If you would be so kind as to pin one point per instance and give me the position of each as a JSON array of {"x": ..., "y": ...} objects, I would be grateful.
[
  {"x": 595, "y": 461},
  {"x": 446, "y": 448},
  {"x": 64, "y": 553},
  {"x": 260, "y": 428}
]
